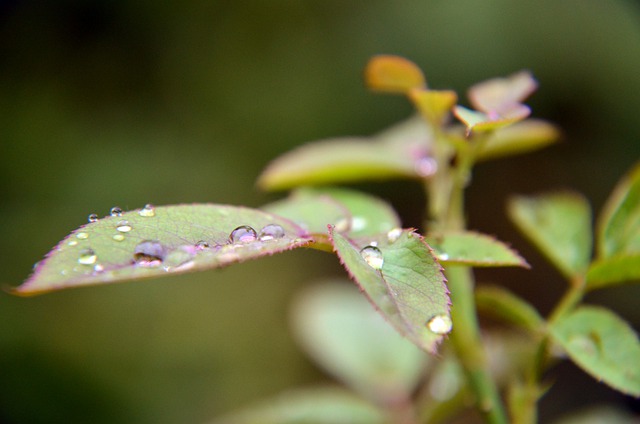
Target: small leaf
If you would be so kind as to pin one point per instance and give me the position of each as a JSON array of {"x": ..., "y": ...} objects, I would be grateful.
[
  {"x": 339, "y": 329},
  {"x": 499, "y": 302},
  {"x": 521, "y": 137},
  {"x": 614, "y": 270},
  {"x": 393, "y": 74},
  {"x": 394, "y": 153},
  {"x": 309, "y": 406},
  {"x": 603, "y": 345},
  {"x": 473, "y": 249},
  {"x": 404, "y": 282},
  {"x": 175, "y": 239},
  {"x": 500, "y": 94},
  {"x": 434, "y": 105},
  {"x": 559, "y": 224},
  {"x": 481, "y": 122},
  {"x": 619, "y": 225}
]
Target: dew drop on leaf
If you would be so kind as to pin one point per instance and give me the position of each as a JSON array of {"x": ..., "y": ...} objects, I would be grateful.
[
  {"x": 93, "y": 218},
  {"x": 124, "y": 227},
  {"x": 98, "y": 268},
  {"x": 394, "y": 235},
  {"x": 87, "y": 257},
  {"x": 243, "y": 234},
  {"x": 72, "y": 243},
  {"x": 201, "y": 245},
  {"x": 426, "y": 166},
  {"x": 342, "y": 225},
  {"x": 149, "y": 253},
  {"x": 440, "y": 324},
  {"x": 82, "y": 236},
  {"x": 271, "y": 232},
  {"x": 148, "y": 211},
  {"x": 372, "y": 256},
  {"x": 118, "y": 237},
  {"x": 116, "y": 211}
]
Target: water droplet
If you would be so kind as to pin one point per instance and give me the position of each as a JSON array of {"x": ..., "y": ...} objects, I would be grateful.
[
  {"x": 116, "y": 211},
  {"x": 243, "y": 234},
  {"x": 374, "y": 243},
  {"x": 148, "y": 211},
  {"x": 149, "y": 253},
  {"x": 87, "y": 257},
  {"x": 124, "y": 227},
  {"x": 372, "y": 256},
  {"x": 358, "y": 223},
  {"x": 440, "y": 324},
  {"x": 98, "y": 268},
  {"x": 394, "y": 235},
  {"x": 82, "y": 236},
  {"x": 93, "y": 217},
  {"x": 443, "y": 257},
  {"x": 342, "y": 225},
  {"x": 585, "y": 344},
  {"x": 201, "y": 245},
  {"x": 271, "y": 232},
  {"x": 72, "y": 243},
  {"x": 118, "y": 237},
  {"x": 426, "y": 166}
]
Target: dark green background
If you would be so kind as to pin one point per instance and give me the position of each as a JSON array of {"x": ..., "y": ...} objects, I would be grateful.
[{"x": 107, "y": 103}]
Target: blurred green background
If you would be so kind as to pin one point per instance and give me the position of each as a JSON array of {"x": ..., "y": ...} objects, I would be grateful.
[{"x": 109, "y": 102}]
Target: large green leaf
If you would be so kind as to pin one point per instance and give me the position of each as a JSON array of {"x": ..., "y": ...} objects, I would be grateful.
[
  {"x": 603, "y": 345},
  {"x": 473, "y": 249},
  {"x": 401, "y": 151},
  {"x": 309, "y": 406},
  {"x": 559, "y": 224},
  {"x": 347, "y": 337},
  {"x": 614, "y": 270},
  {"x": 153, "y": 242},
  {"x": 403, "y": 280},
  {"x": 619, "y": 225}
]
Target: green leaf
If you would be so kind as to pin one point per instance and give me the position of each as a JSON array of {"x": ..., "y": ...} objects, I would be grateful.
[
  {"x": 501, "y": 303},
  {"x": 614, "y": 270},
  {"x": 309, "y": 406},
  {"x": 397, "y": 152},
  {"x": 619, "y": 225},
  {"x": 559, "y": 224},
  {"x": 521, "y": 137},
  {"x": 434, "y": 105},
  {"x": 473, "y": 249},
  {"x": 603, "y": 345},
  {"x": 345, "y": 335},
  {"x": 482, "y": 122},
  {"x": 393, "y": 74},
  {"x": 160, "y": 241},
  {"x": 403, "y": 280}
]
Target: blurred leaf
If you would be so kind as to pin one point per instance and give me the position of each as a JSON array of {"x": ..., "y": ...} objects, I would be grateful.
[
  {"x": 619, "y": 224},
  {"x": 404, "y": 282},
  {"x": 559, "y": 224},
  {"x": 393, "y": 74},
  {"x": 521, "y": 137},
  {"x": 433, "y": 105},
  {"x": 347, "y": 337},
  {"x": 614, "y": 270},
  {"x": 501, "y": 94},
  {"x": 309, "y": 406},
  {"x": 501, "y": 303},
  {"x": 396, "y": 152},
  {"x": 473, "y": 249},
  {"x": 603, "y": 345},
  {"x": 601, "y": 414},
  {"x": 161, "y": 241},
  {"x": 481, "y": 122}
]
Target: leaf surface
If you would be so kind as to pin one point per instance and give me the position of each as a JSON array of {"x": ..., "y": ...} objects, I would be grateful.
[
  {"x": 614, "y": 270},
  {"x": 393, "y": 74},
  {"x": 473, "y": 249},
  {"x": 619, "y": 226},
  {"x": 345, "y": 335},
  {"x": 404, "y": 282},
  {"x": 521, "y": 137},
  {"x": 175, "y": 239},
  {"x": 500, "y": 94},
  {"x": 500, "y": 302},
  {"x": 397, "y": 152},
  {"x": 559, "y": 224},
  {"x": 603, "y": 345},
  {"x": 325, "y": 405}
]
